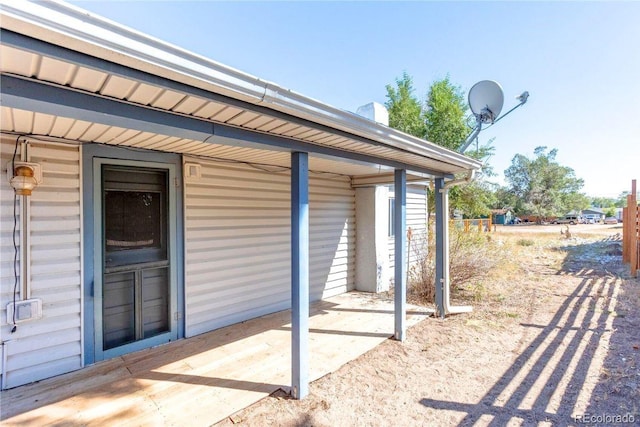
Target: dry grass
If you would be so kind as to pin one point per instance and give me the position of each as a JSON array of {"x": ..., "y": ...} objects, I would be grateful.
[
  {"x": 472, "y": 258},
  {"x": 493, "y": 271},
  {"x": 531, "y": 257}
]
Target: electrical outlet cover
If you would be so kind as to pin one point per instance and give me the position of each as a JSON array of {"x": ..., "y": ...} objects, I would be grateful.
[{"x": 30, "y": 309}]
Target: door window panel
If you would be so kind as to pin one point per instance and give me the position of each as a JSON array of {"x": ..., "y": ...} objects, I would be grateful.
[{"x": 133, "y": 220}]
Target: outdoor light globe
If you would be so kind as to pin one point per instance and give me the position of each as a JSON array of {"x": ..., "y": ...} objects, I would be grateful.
[{"x": 23, "y": 182}]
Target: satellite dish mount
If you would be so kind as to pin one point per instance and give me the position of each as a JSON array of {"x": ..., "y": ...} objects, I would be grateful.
[{"x": 486, "y": 100}]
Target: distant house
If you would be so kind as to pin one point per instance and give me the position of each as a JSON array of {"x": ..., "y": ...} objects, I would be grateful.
[
  {"x": 596, "y": 214},
  {"x": 501, "y": 216}
]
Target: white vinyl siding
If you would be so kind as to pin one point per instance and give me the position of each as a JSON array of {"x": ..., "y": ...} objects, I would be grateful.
[
  {"x": 238, "y": 242},
  {"x": 51, "y": 345},
  {"x": 6, "y": 240},
  {"x": 416, "y": 219}
]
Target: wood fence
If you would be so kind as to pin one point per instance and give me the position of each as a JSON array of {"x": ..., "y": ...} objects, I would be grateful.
[
  {"x": 480, "y": 224},
  {"x": 631, "y": 232}
]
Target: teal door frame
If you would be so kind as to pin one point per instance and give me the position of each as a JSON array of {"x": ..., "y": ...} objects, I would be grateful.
[{"x": 94, "y": 157}]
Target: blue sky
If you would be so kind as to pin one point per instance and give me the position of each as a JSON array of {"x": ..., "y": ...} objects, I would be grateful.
[{"x": 579, "y": 61}]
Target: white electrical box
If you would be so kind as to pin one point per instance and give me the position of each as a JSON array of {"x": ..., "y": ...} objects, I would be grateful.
[{"x": 29, "y": 309}]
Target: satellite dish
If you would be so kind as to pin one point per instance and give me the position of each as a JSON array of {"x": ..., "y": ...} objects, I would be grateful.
[{"x": 486, "y": 100}]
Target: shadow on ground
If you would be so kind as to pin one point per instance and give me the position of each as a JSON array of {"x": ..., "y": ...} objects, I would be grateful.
[
  {"x": 545, "y": 381},
  {"x": 617, "y": 393}
]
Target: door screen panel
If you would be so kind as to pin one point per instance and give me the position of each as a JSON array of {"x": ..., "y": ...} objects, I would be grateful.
[
  {"x": 136, "y": 268},
  {"x": 132, "y": 220}
]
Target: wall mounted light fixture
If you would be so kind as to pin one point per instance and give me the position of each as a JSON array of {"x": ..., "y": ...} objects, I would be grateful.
[{"x": 24, "y": 177}]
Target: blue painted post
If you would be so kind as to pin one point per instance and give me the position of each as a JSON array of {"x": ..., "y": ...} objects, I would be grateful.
[
  {"x": 442, "y": 216},
  {"x": 300, "y": 274},
  {"x": 400, "y": 229}
]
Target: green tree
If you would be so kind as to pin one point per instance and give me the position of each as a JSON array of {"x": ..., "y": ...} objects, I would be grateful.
[
  {"x": 621, "y": 201},
  {"x": 602, "y": 202},
  {"x": 405, "y": 111},
  {"x": 504, "y": 198},
  {"x": 445, "y": 119},
  {"x": 445, "y": 114},
  {"x": 474, "y": 199},
  {"x": 441, "y": 120},
  {"x": 545, "y": 187}
]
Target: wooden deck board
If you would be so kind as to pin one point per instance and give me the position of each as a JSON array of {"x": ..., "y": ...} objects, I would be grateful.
[{"x": 201, "y": 380}]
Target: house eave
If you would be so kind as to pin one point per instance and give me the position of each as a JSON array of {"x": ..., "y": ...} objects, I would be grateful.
[{"x": 66, "y": 25}]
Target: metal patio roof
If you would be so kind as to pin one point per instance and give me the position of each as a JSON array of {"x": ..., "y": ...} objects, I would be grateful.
[{"x": 54, "y": 53}]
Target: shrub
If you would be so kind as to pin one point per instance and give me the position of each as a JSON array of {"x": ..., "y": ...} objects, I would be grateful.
[{"x": 472, "y": 255}]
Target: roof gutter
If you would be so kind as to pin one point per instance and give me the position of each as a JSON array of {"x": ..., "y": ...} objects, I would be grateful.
[
  {"x": 466, "y": 180},
  {"x": 66, "y": 25}
]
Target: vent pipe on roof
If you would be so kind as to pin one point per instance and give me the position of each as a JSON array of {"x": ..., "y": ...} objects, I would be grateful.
[{"x": 374, "y": 112}]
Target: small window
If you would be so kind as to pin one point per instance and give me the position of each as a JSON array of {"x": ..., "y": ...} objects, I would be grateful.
[
  {"x": 133, "y": 220},
  {"x": 392, "y": 216},
  {"x": 135, "y": 213}
]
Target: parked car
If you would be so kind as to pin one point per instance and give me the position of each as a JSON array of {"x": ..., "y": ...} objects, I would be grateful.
[
  {"x": 568, "y": 219},
  {"x": 592, "y": 219},
  {"x": 610, "y": 220}
]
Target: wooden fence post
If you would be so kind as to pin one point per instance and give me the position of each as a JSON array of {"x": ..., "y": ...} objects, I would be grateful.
[
  {"x": 637, "y": 239},
  {"x": 632, "y": 206},
  {"x": 631, "y": 232},
  {"x": 626, "y": 233}
]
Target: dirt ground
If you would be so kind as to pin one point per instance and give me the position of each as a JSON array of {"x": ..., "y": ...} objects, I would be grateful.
[{"x": 554, "y": 339}]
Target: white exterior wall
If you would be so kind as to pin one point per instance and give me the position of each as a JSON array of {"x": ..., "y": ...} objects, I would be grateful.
[
  {"x": 51, "y": 345},
  {"x": 417, "y": 214},
  {"x": 372, "y": 235},
  {"x": 238, "y": 251}
]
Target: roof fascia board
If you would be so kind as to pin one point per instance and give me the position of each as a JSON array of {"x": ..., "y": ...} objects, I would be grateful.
[
  {"x": 287, "y": 100},
  {"x": 46, "y": 98},
  {"x": 83, "y": 31},
  {"x": 239, "y": 137},
  {"x": 386, "y": 179},
  {"x": 33, "y": 95},
  {"x": 41, "y": 47},
  {"x": 66, "y": 25}
]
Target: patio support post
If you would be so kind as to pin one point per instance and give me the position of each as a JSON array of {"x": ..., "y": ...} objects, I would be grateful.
[
  {"x": 400, "y": 278},
  {"x": 442, "y": 243},
  {"x": 299, "y": 274}
]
